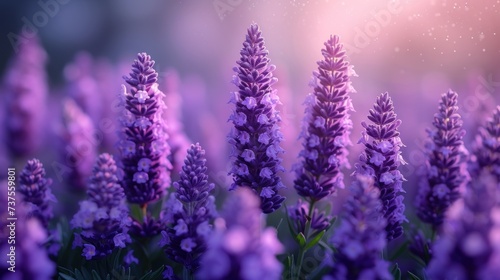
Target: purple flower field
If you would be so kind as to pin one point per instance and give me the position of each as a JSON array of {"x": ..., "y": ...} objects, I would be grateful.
[{"x": 250, "y": 140}]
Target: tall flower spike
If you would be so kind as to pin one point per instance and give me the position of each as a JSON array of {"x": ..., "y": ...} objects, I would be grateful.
[
  {"x": 446, "y": 170},
  {"x": 326, "y": 125},
  {"x": 360, "y": 238},
  {"x": 143, "y": 141},
  {"x": 239, "y": 248},
  {"x": 35, "y": 188},
  {"x": 26, "y": 90},
  {"x": 256, "y": 136},
  {"x": 381, "y": 159},
  {"x": 189, "y": 212},
  {"x": 80, "y": 145},
  {"x": 31, "y": 258},
  {"x": 102, "y": 222},
  {"x": 486, "y": 151},
  {"x": 466, "y": 247}
]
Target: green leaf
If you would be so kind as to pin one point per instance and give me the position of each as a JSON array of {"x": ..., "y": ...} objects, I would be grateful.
[
  {"x": 301, "y": 239},
  {"x": 135, "y": 212},
  {"x": 315, "y": 240},
  {"x": 396, "y": 272},
  {"x": 413, "y": 276},
  {"x": 326, "y": 246},
  {"x": 65, "y": 276},
  {"x": 399, "y": 251},
  {"x": 95, "y": 275}
]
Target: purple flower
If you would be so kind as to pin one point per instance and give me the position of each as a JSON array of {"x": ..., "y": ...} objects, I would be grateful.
[
  {"x": 326, "y": 126},
  {"x": 466, "y": 249},
  {"x": 25, "y": 90},
  {"x": 102, "y": 223},
  {"x": 177, "y": 139},
  {"x": 299, "y": 215},
  {"x": 381, "y": 159},
  {"x": 445, "y": 173},
  {"x": 239, "y": 248},
  {"x": 486, "y": 151},
  {"x": 190, "y": 207},
  {"x": 30, "y": 241},
  {"x": 80, "y": 146},
  {"x": 256, "y": 136},
  {"x": 129, "y": 258},
  {"x": 36, "y": 191},
  {"x": 82, "y": 86},
  {"x": 142, "y": 135},
  {"x": 360, "y": 237}
]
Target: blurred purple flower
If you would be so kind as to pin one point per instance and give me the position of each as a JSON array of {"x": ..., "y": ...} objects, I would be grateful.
[
  {"x": 189, "y": 212},
  {"x": 82, "y": 86},
  {"x": 36, "y": 191},
  {"x": 381, "y": 159},
  {"x": 80, "y": 147},
  {"x": 466, "y": 247},
  {"x": 445, "y": 172},
  {"x": 142, "y": 135},
  {"x": 31, "y": 258},
  {"x": 255, "y": 137},
  {"x": 239, "y": 248},
  {"x": 25, "y": 88},
  {"x": 177, "y": 139},
  {"x": 102, "y": 222},
  {"x": 486, "y": 151},
  {"x": 326, "y": 125},
  {"x": 360, "y": 238}
]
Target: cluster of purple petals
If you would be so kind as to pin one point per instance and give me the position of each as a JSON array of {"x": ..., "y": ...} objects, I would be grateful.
[
  {"x": 381, "y": 159},
  {"x": 446, "y": 169},
  {"x": 102, "y": 222},
  {"x": 80, "y": 145},
  {"x": 360, "y": 238},
  {"x": 239, "y": 248},
  {"x": 31, "y": 260},
  {"x": 299, "y": 216},
  {"x": 326, "y": 125},
  {"x": 189, "y": 212},
  {"x": 36, "y": 191},
  {"x": 466, "y": 249},
  {"x": 256, "y": 136},
  {"x": 25, "y": 90},
  {"x": 143, "y": 141},
  {"x": 487, "y": 147}
]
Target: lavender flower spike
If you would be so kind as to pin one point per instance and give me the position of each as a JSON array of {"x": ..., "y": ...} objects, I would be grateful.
[
  {"x": 102, "y": 220},
  {"x": 189, "y": 212},
  {"x": 486, "y": 152},
  {"x": 25, "y": 94},
  {"x": 239, "y": 248},
  {"x": 360, "y": 238},
  {"x": 326, "y": 125},
  {"x": 36, "y": 191},
  {"x": 446, "y": 170},
  {"x": 256, "y": 136},
  {"x": 143, "y": 141},
  {"x": 30, "y": 237},
  {"x": 381, "y": 159},
  {"x": 466, "y": 249}
]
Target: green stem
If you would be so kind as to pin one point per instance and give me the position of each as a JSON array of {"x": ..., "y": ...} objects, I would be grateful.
[
  {"x": 144, "y": 209},
  {"x": 186, "y": 274},
  {"x": 433, "y": 233},
  {"x": 302, "y": 250}
]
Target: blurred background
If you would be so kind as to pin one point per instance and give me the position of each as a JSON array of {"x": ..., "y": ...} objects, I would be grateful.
[{"x": 415, "y": 50}]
